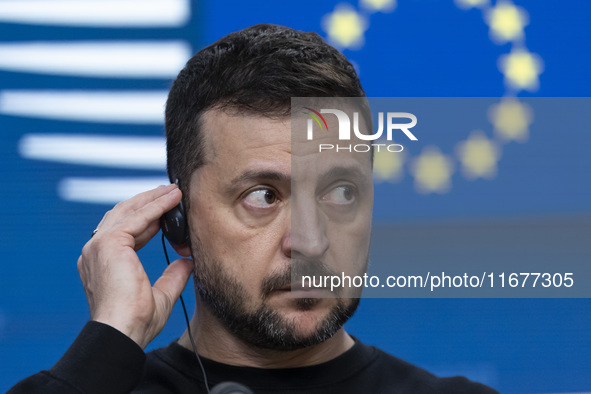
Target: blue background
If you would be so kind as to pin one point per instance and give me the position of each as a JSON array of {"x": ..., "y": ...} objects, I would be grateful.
[{"x": 423, "y": 48}]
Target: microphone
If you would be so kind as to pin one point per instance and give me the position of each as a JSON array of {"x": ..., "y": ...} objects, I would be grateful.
[{"x": 230, "y": 388}]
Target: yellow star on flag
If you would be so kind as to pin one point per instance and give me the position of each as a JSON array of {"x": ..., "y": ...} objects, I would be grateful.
[
  {"x": 379, "y": 5},
  {"x": 467, "y": 4},
  {"x": 479, "y": 156},
  {"x": 506, "y": 22},
  {"x": 511, "y": 119},
  {"x": 345, "y": 27},
  {"x": 432, "y": 171},
  {"x": 387, "y": 166},
  {"x": 521, "y": 69}
]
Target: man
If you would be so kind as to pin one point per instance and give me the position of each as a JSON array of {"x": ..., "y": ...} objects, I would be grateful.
[{"x": 259, "y": 205}]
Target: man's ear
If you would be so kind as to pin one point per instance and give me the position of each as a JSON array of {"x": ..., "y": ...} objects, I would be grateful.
[{"x": 182, "y": 250}]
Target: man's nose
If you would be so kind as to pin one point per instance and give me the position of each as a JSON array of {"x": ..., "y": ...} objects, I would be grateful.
[{"x": 308, "y": 230}]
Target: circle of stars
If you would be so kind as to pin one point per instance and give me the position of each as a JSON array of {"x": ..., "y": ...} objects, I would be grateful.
[{"x": 478, "y": 155}]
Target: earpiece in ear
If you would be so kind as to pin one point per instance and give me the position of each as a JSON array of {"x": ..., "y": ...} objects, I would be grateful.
[{"x": 174, "y": 224}]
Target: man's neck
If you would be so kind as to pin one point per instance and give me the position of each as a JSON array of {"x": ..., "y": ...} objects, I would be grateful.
[{"x": 216, "y": 343}]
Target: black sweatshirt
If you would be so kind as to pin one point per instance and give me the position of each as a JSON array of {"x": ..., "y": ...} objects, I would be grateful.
[{"x": 103, "y": 360}]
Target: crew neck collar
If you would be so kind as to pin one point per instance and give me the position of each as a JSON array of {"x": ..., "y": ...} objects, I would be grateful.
[{"x": 344, "y": 366}]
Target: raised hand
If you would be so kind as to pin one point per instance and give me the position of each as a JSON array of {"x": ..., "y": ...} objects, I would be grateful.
[{"x": 118, "y": 290}]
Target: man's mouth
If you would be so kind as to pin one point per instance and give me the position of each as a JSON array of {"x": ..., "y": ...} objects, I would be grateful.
[{"x": 299, "y": 291}]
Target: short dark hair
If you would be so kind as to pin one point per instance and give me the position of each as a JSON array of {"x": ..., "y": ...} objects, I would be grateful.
[{"x": 253, "y": 71}]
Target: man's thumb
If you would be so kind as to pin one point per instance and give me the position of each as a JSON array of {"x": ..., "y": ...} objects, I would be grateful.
[{"x": 174, "y": 279}]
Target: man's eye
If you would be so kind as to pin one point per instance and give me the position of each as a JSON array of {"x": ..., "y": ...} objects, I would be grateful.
[
  {"x": 340, "y": 195},
  {"x": 262, "y": 198}
]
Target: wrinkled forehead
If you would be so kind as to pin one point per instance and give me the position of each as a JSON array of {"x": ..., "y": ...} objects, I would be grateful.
[
  {"x": 235, "y": 142},
  {"x": 329, "y": 128},
  {"x": 317, "y": 149},
  {"x": 231, "y": 133},
  {"x": 331, "y": 115}
]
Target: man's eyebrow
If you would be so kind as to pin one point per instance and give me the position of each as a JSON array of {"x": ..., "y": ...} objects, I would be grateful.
[
  {"x": 250, "y": 176},
  {"x": 352, "y": 173}
]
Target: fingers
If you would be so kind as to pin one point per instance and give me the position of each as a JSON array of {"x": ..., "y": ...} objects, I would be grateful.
[
  {"x": 172, "y": 283},
  {"x": 148, "y": 207},
  {"x": 139, "y": 216},
  {"x": 146, "y": 197},
  {"x": 145, "y": 222}
]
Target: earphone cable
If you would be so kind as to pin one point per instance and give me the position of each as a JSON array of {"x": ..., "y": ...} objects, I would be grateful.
[{"x": 188, "y": 325}]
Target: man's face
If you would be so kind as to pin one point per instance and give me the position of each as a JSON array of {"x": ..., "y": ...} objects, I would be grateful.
[{"x": 250, "y": 223}]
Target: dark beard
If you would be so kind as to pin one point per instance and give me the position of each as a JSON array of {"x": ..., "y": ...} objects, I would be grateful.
[{"x": 265, "y": 327}]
